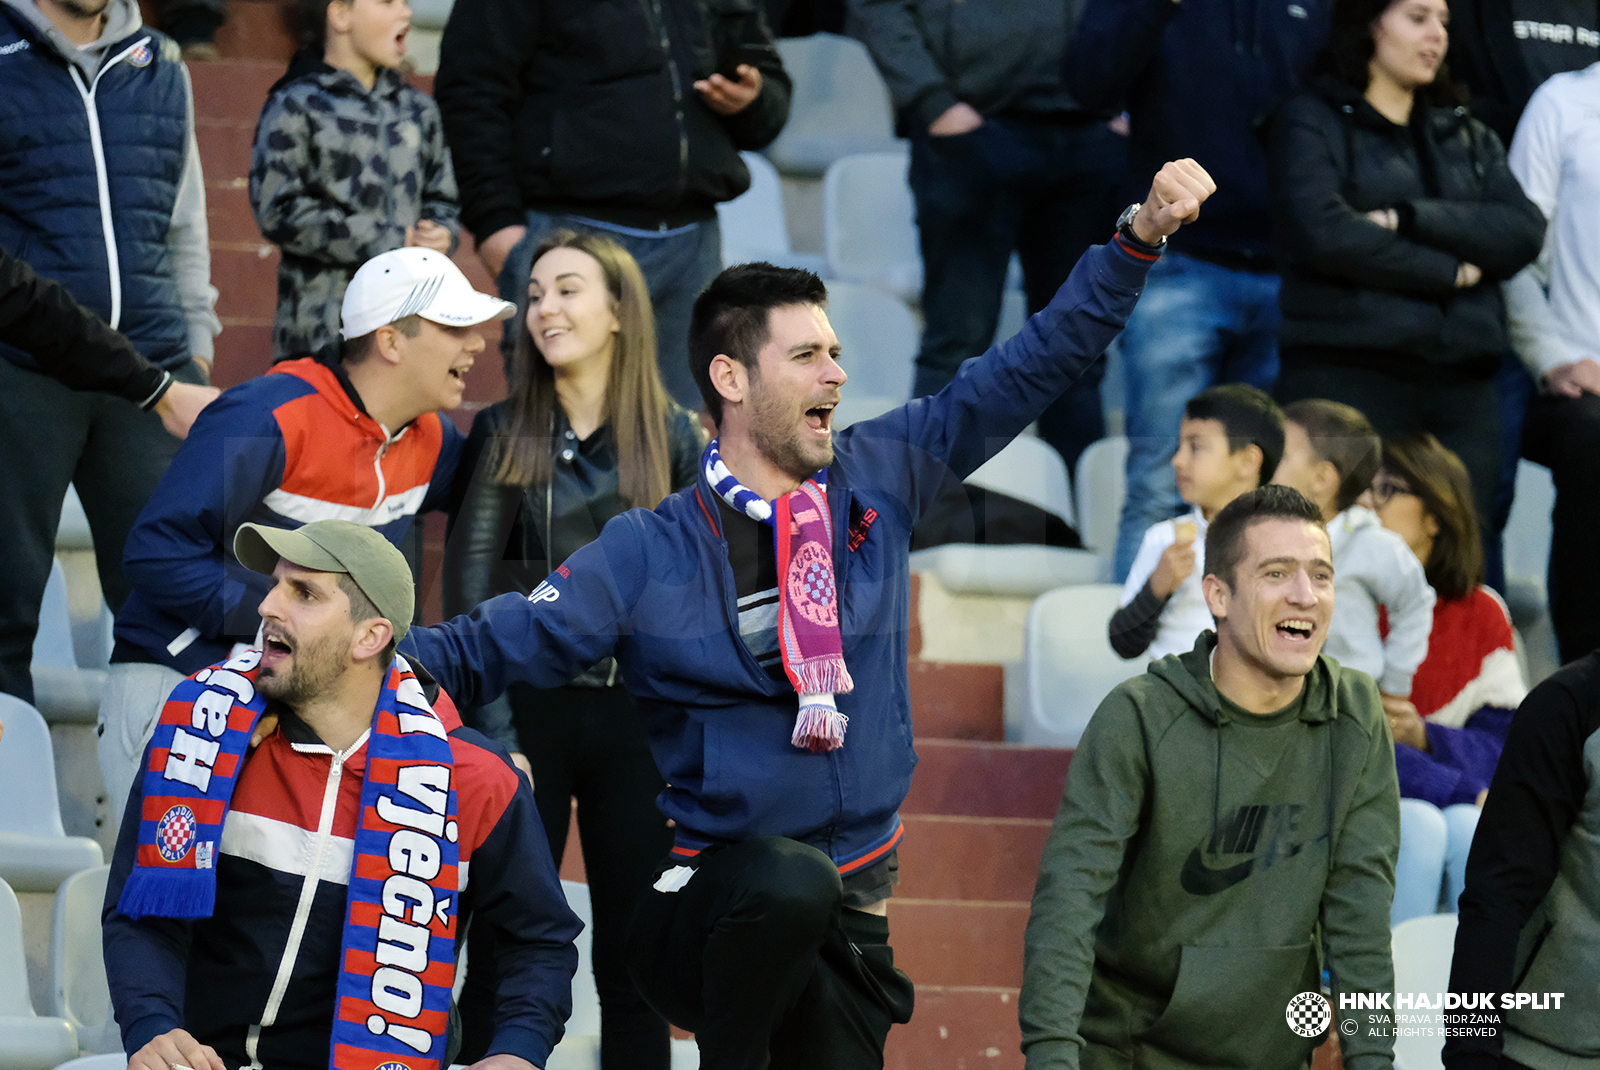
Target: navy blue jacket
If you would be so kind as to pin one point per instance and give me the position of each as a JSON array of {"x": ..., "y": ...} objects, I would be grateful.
[
  {"x": 1197, "y": 78},
  {"x": 296, "y": 802},
  {"x": 656, "y": 588},
  {"x": 113, "y": 257}
]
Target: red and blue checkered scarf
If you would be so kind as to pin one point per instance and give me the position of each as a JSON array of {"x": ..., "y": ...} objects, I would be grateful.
[
  {"x": 808, "y": 598},
  {"x": 398, "y": 956}
]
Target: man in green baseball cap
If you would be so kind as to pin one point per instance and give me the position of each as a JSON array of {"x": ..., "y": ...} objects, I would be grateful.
[
  {"x": 329, "y": 626},
  {"x": 400, "y": 844}
]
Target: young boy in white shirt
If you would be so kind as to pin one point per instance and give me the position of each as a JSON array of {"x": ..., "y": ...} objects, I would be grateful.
[
  {"x": 1229, "y": 442},
  {"x": 1331, "y": 454}
]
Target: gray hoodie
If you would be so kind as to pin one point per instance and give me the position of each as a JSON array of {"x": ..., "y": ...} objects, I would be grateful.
[
  {"x": 187, "y": 235},
  {"x": 1198, "y": 854},
  {"x": 1372, "y": 567}
]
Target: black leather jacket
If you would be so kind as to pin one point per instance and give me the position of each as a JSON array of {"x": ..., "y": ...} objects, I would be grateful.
[
  {"x": 1350, "y": 284},
  {"x": 499, "y": 535}
]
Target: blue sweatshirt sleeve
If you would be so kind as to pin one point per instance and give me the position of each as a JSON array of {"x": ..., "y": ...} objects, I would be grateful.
[
  {"x": 993, "y": 398},
  {"x": 175, "y": 556},
  {"x": 1115, "y": 41},
  {"x": 569, "y": 622}
]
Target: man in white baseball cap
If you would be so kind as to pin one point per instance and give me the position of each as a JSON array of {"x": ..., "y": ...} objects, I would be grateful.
[
  {"x": 415, "y": 311},
  {"x": 354, "y": 433}
]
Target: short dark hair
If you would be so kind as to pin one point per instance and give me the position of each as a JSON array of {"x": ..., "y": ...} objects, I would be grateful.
[
  {"x": 1249, "y": 417},
  {"x": 1225, "y": 536},
  {"x": 362, "y": 608},
  {"x": 732, "y": 316},
  {"x": 1340, "y": 435},
  {"x": 353, "y": 351},
  {"x": 1436, "y": 475},
  {"x": 310, "y": 19}
]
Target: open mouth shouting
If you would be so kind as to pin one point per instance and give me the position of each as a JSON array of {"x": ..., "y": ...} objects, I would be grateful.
[
  {"x": 400, "y": 40},
  {"x": 820, "y": 418},
  {"x": 276, "y": 647},
  {"x": 1297, "y": 629}
]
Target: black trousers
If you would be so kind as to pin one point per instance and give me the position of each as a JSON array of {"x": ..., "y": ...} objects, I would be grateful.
[
  {"x": 1046, "y": 190},
  {"x": 51, "y": 437},
  {"x": 588, "y": 744},
  {"x": 756, "y": 956},
  {"x": 1563, "y": 434},
  {"x": 1463, "y": 416}
]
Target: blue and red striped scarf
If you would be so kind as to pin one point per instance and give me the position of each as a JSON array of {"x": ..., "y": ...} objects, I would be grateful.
[
  {"x": 808, "y": 598},
  {"x": 397, "y": 963}
]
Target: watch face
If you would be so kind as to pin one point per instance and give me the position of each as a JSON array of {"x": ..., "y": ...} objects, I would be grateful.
[{"x": 1126, "y": 218}]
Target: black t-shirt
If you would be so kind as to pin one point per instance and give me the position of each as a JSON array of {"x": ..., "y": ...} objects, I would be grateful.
[
  {"x": 1555, "y": 36},
  {"x": 753, "y": 554}
]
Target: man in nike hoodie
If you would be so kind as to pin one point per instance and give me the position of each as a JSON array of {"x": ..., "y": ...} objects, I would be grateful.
[{"x": 1229, "y": 829}]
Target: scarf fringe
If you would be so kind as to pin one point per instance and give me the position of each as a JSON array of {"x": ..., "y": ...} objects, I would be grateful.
[
  {"x": 824, "y": 675},
  {"x": 167, "y": 893},
  {"x": 819, "y": 728}
]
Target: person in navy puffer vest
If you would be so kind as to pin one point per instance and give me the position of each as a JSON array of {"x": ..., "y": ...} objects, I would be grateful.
[{"x": 101, "y": 190}]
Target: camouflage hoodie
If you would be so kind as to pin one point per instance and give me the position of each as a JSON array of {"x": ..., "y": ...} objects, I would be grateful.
[{"x": 338, "y": 174}]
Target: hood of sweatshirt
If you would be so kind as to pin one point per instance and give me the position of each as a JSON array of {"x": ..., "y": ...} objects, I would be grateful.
[
  {"x": 308, "y": 63},
  {"x": 122, "y": 19},
  {"x": 1189, "y": 676}
]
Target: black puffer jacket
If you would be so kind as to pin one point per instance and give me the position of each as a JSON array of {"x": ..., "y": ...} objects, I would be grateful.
[
  {"x": 589, "y": 107},
  {"x": 1350, "y": 284}
]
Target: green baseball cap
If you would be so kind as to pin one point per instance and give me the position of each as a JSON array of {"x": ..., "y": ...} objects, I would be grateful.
[{"x": 371, "y": 560}]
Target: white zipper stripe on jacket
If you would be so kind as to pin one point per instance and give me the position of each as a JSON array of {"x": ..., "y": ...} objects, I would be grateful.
[
  {"x": 102, "y": 180},
  {"x": 302, "y": 912},
  {"x": 389, "y": 439}
]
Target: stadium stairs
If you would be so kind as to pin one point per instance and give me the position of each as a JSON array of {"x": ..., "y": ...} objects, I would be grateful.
[{"x": 979, "y": 808}]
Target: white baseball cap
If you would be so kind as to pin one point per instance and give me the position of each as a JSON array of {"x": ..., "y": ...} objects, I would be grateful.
[{"x": 415, "y": 282}]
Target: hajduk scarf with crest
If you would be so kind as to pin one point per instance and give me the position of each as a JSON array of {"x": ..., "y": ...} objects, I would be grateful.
[
  {"x": 397, "y": 962},
  {"x": 808, "y": 598}
]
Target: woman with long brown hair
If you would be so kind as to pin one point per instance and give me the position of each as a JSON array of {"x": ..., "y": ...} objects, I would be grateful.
[{"x": 585, "y": 433}]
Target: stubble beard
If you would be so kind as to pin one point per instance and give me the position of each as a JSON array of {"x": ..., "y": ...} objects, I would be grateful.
[
  {"x": 785, "y": 449},
  {"x": 83, "y": 9},
  {"x": 313, "y": 671}
]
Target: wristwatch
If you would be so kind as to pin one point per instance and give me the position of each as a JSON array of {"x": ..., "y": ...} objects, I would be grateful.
[{"x": 1125, "y": 228}]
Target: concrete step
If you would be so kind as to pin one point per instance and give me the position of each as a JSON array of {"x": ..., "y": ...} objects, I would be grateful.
[
  {"x": 235, "y": 88},
  {"x": 224, "y": 145},
  {"x": 246, "y": 277},
  {"x": 229, "y": 217},
  {"x": 964, "y": 1027},
  {"x": 958, "y": 941},
  {"x": 953, "y": 701},
  {"x": 971, "y": 858},
  {"x": 256, "y": 30},
  {"x": 976, "y": 779}
]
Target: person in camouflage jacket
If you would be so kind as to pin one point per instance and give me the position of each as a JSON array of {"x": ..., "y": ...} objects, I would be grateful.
[{"x": 339, "y": 174}]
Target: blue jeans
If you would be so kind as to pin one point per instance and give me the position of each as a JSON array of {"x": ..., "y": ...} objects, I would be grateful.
[
  {"x": 1433, "y": 855},
  {"x": 1197, "y": 325},
  {"x": 1513, "y": 389},
  {"x": 677, "y": 265},
  {"x": 1047, "y": 190}
]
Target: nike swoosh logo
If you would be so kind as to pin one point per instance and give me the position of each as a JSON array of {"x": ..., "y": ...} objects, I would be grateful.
[{"x": 1197, "y": 878}]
